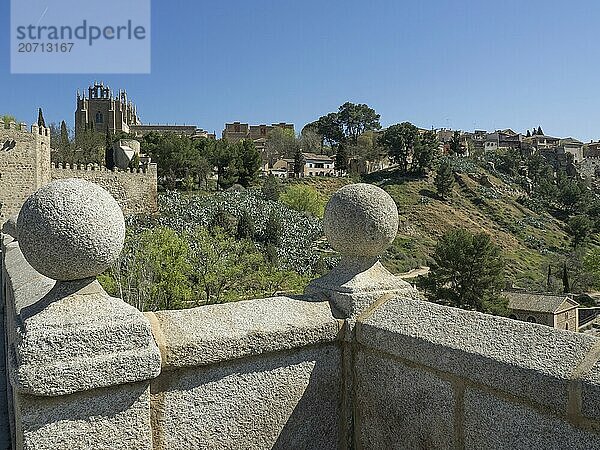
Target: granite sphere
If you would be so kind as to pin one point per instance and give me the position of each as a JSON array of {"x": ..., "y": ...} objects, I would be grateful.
[
  {"x": 71, "y": 229},
  {"x": 361, "y": 220}
]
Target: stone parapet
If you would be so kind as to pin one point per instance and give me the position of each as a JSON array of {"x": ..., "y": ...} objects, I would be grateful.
[
  {"x": 254, "y": 374},
  {"x": 79, "y": 361},
  {"x": 466, "y": 364},
  {"x": 215, "y": 333}
]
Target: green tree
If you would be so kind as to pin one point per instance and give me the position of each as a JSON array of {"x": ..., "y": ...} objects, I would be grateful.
[
  {"x": 570, "y": 193},
  {"x": 109, "y": 155},
  {"x": 299, "y": 162},
  {"x": 329, "y": 128},
  {"x": 273, "y": 230},
  {"x": 509, "y": 161},
  {"x": 248, "y": 162},
  {"x": 280, "y": 143},
  {"x": 87, "y": 148},
  {"x": 399, "y": 140},
  {"x": 7, "y": 119},
  {"x": 425, "y": 150},
  {"x": 355, "y": 119},
  {"x": 310, "y": 141},
  {"x": 591, "y": 264},
  {"x": 226, "y": 269},
  {"x": 64, "y": 151},
  {"x": 444, "y": 179},
  {"x": 40, "y": 120},
  {"x": 579, "y": 228},
  {"x": 467, "y": 271},
  {"x": 456, "y": 148},
  {"x": 153, "y": 271},
  {"x": 539, "y": 131},
  {"x": 341, "y": 159},
  {"x": 565, "y": 280},
  {"x": 223, "y": 157},
  {"x": 245, "y": 226},
  {"x": 271, "y": 188},
  {"x": 304, "y": 199},
  {"x": 224, "y": 221}
]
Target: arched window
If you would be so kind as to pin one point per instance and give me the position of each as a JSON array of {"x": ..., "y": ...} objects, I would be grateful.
[
  {"x": 531, "y": 319},
  {"x": 99, "y": 117}
]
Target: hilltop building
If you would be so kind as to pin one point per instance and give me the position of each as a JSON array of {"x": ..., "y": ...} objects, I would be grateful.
[
  {"x": 101, "y": 111},
  {"x": 314, "y": 166},
  {"x": 236, "y": 131}
]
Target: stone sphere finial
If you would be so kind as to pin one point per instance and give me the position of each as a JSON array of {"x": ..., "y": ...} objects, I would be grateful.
[
  {"x": 361, "y": 220},
  {"x": 71, "y": 230}
]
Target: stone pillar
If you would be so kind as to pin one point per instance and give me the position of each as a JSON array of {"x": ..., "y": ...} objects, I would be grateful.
[
  {"x": 360, "y": 222},
  {"x": 81, "y": 360}
]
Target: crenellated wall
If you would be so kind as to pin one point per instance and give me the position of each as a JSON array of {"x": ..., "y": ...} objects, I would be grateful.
[
  {"x": 24, "y": 165},
  {"x": 134, "y": 190}
]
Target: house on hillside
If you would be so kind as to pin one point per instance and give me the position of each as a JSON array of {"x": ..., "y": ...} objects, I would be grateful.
[
  {"x": 314, "y": 166},
  {"x": 541, "y": 141},
  {"x": 557, "y": 311},
  {"x": 574, "y": 147}
]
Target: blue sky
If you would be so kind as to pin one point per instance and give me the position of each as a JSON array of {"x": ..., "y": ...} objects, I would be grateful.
[{"x": 469, "y": 64}]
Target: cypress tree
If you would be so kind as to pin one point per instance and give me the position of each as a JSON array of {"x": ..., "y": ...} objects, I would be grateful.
[
  {"x": 109, "y": 156},
  {"x": 565, "y": 279},
  {"x": 444, "y": 179},
  {"x": 299, "y": 162},
  {"x": 341, "y": 158},
  {"x": 41, "y": 122},
  {"x": 245, "y": 226}
]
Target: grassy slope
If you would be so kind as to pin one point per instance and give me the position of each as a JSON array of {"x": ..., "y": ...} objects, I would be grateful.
[{"x": 529, "y": 239}]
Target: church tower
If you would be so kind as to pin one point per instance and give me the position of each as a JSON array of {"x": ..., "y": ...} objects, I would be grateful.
[{"x": 100, "y": 111}]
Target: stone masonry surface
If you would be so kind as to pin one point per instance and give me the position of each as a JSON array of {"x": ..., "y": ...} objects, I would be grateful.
[
  {"x": 216, "y": 333},
  {"x": 504, "y": 354},
  {"x": 71, "y": 229},
  {"x": 478, "y": 381},
  {"x": 24, "y": 168},
  {"x": 135, "y": 192},
  {"x": 284, "y": 400}
]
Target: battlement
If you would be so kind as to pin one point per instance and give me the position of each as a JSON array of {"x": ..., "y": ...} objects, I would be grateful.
[
  {"x": 23, "y": 128},
  {"x": 134, "y": 189},
  {"x": 149, "y": 169}
]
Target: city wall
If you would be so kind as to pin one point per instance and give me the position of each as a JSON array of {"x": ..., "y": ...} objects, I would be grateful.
[
  {"x": 134, "y": 190},
  {"x": 25, "y": 166}
]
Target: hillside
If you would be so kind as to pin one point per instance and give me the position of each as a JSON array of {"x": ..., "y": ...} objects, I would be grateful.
[{"x": 480, "y": 201}]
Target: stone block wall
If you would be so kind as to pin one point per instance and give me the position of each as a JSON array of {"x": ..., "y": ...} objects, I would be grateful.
[
  {"x": 253, "y": 374},
  {"x": 26, "y": 167},
  {"x": 429, "y": 376},
  {"x": 23, "y": 168},
  {"x": 135, "y": 191}
]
